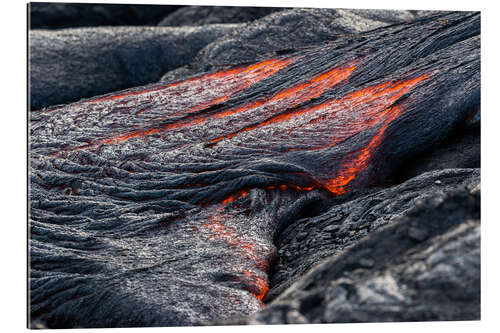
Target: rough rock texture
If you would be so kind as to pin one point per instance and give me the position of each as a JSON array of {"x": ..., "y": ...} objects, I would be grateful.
[
  {"x": 285, "y": 31},
  {"x": 175, "y": 203},
  {"x": 202, "y": 15},
  {"x": 393, "y": 16},
  {"x": 406, "y": 253},
  {"x": 44, "y": 15},
  {"x": 461, "y": 150},
  {"x": 70, "y": 64},
  {"x": 306, "y": 241}
]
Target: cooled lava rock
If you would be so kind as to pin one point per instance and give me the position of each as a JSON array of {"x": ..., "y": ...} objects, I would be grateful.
[
  {"x": 46, "y": 15},
  {"x": 406, "y": 253},
  {"x": 288, "y": 30},
  {"x": 461, "y": 150},
  {"x": 69, "y": 64},
  {"x": 202, "y": 15},
  {"x": 195, "y": 201},
  {"x": 343, "y": 224}
]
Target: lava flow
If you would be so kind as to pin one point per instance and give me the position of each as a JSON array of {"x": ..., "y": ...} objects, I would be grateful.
[
  {"x": 336, "y": 120},
  {"x": 284, "y": 99},
  {"x": 251, "y": 253},
  {"x": 145, "y": 108},
  {"x": 246, "y": 75}
]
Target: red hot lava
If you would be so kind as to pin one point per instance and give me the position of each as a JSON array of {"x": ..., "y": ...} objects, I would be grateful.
[{"x": 218, "y": 230}]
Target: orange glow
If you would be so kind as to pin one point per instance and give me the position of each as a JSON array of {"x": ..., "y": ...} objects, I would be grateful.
[
  {"x": 243, "y": 193},
  {"x": 260, "y": 284},
  {"x": 300, "y": 93},
  {"x": 356, "y": 162},
  {"x": 290, "y": 97},
  {"x": 306, "y": 128},
  {"x": 218, "y": 230},
  {"x": 238, "y": 195},
  {"x": 225, "y": 84},
  {"x": 368, "y": 101},
  {"x": 251, "y": 74},
  {"x": 287, "y": 98},
  {"x": 305, "y": 188},
  {"x": 228, "y": 200},
  {"x": 356, "y": 112},
  {"x": 352, "y": 168}
]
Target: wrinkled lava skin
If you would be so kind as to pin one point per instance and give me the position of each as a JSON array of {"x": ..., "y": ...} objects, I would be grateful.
[{"x": 157, "y": 206}]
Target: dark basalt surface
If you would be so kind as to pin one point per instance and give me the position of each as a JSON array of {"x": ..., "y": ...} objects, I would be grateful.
[
  {"x": 306, "y": 241},
  {"x": 406, "y": 253},
  {"x": 288, "y": 30},
  {"x": 461, "y": 150},
  {"x": 70, "y": 64},
  {"x": 202, "y": 15},
  {"x": 266, "y": 187},
  {"x": 46, "y": 15}
]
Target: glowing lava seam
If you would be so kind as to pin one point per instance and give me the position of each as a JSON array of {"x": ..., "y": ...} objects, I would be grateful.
[{"x": 287, "y": 98}]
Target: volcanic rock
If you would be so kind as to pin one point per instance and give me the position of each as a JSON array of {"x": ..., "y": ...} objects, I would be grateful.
[
  {"x": 203, "y": 15},
  {"x": 461, "y": 150},
  {"x": 181, "y": 203},
  {"x": 419, "y": 261},
  {"x": 364, "y": 215},
  {"x": 70, "y": 64},
  {"x": 46, "y": 15},
  {"x": 288, "y": 30}
]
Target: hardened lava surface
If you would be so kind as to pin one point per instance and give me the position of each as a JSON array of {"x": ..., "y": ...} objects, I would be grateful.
[
  {"x": 410, "y": 252},
  {"x": 67, "y": 65},
  {"x": 163, "y": 204}
]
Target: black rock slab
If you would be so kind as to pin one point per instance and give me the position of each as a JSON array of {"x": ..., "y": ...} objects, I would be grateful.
[
  {"x": 461, "y": 150},
  {"x": 46, "y": 15},
  {"x": 202, "y": 15},
  {"x": 307, "y": 241},
  {"x": 70, "y": 64}
]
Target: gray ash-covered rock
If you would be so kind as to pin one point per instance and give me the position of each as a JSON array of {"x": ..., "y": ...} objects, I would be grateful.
[
  {"x": 406, "y": 253},
  {"x": 47, "y": 15},
  {"x": 202, "y": 15},
  {"x": 70, "y": 64}
]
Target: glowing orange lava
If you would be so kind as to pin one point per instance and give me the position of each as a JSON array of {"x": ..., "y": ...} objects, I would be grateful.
[
  {"x": 218, "y": 229},
  {"x": 299, "y": 93},
  {"x": 238, "y": 195},
  {"x": 354, "y": 112},
  {"x": 366, "y": 104},
  {"x": 289, "y": 97},
  {"x": 260, "y": 285},
  {"x": 352, "y": 168},
  {"x": 247, "y": 74},
  {"x": 371, "y": 99}
]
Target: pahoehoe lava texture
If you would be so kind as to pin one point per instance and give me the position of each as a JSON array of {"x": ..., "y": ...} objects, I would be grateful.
[
  {"x": 406, "y": 253},
  {"x": 191, "y": 202},
  {"x": 69, "y": 64},
  {"x": 288, "y": 30}
]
